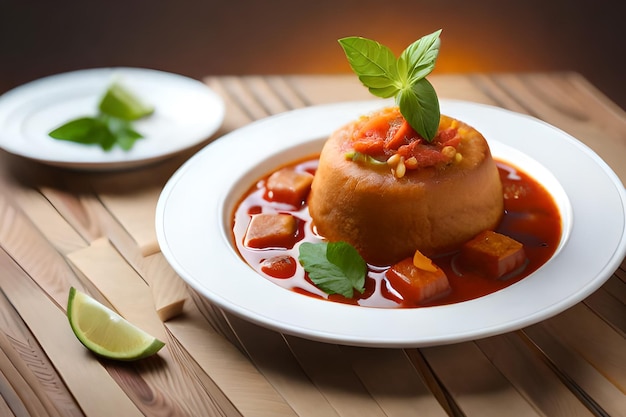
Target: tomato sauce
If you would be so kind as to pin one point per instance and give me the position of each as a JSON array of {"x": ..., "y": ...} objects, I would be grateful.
[{"x": 531, "y": 217}]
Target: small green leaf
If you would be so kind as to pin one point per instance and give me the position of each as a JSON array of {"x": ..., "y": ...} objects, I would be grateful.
[
  {"x": 402, "y": 78},
  {"x": 78, "y": 130},
  {"x": 374, "y": 63},
  {"x": 125, "y": 135},
  {"x": 335, "y": 267},
  {"x": 111, "y": 126},
  {"x": 87, "y": 131},
  {"x": 349, "y": 261},
  {"x": 419, "y": 58},
  {"x": 420, "y": 107}
]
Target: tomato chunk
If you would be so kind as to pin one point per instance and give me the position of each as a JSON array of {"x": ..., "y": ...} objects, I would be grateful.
[
  {"x": 271, "y": 230},
  {"x": 289, "y": 186},
  {"x": 280, "y": 266},
  {"x": 492, "y": 254},
  {"x": 417, "y": 285}
]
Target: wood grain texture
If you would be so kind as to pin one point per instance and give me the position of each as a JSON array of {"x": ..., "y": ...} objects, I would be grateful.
[{"x": 95, "y": 231}]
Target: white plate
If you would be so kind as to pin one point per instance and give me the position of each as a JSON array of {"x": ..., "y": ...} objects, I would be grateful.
[
  {"x": 186, "y": 113},
  {"x": 194, "y": 212}
]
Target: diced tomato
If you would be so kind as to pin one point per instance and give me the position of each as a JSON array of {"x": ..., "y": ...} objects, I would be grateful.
[
  {"x": 281, "y": 266},
  {"x": 454, "y": 142},
  {"x": 446, "y": 135},
  {"x": 389, "y": 131},
  {"x": 417, "y": 285},
  {"x": 376, "y": 126},
  {"x": 271, "y": 230},
  {"x": 403, "y": 135},
  {"x": 369, "y": 146},
  {"x": 492, "y": 254},
  {"x": 289, "y": 186},
  {"x": 426, "y": 155}
]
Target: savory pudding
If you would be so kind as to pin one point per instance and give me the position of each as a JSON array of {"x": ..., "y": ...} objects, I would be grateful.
[
  {"x": 270, "y": 226},
  {"x": 382, "y": 188}
]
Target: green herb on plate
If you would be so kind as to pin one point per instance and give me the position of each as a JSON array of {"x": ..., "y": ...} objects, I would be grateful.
[
  {"x": 335, "y": 267},
  {"x": 118, "y": 108},
  {"x": 403, "y": 78}
]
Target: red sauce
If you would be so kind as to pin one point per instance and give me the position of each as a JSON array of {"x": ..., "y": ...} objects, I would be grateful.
[{"x": 531, "y": 217}]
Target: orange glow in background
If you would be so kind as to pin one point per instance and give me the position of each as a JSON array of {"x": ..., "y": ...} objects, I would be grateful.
[{"x": 209, "y": 37}]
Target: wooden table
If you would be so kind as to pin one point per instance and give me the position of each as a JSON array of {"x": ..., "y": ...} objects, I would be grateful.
[{"x": 62, "y": 228}]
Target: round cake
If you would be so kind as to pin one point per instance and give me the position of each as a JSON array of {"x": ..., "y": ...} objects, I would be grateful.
[{"x": 382, "y": 188}]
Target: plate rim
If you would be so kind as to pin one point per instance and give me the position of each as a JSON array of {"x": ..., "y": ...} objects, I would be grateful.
[
  {"x": 332, "y": 336},
  {"x": 114, "y": 160}
]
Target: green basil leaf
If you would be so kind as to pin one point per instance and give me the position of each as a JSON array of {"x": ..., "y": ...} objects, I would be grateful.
[
  {"x": 126, "y": 138},
  {"x": 87, "y": 131},
  {"x": 122, "y": 130},
  {"x": 349, "y": 261},
  {"x": 112, "y": 125},
  {"x": 77, "y": 130},
  {"x": 402, "y": 78},
  {"x": 374, "y": 64},
  {"x": 335, "y": 267},
  {"x": 420, "y": 107},
  {"x": 418, "y": 60}
]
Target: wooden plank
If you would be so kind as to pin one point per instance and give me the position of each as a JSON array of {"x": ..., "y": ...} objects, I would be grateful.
[
  {"x": 135, "y": 212},
  {"x": 69, "y": 357},
  {"x": 241, "y": 382},
  {"x": 566, "y": 103},
  {"x": 477, "y": 387},
  {"x": 584, "y": 379},
  {"x": 594, "y": 340},
  {"x": 330, "y": 370},
  {"x": 235, "y": 116},
  {"x": 48, "y": 220},
  {"x": 393, "y": 382},
  {"x": 129, "y": 295},
  {"x": 30, "y": 249},
  {"x": 609, "y": 307},
  {"x": 169, "y": 292},
  {"x": 120, "y": 284},
  {"x": 282, "y": 86},
  {"x": 10, "y": 402},
  {"x": 527, "y": 370},
  {"x": 270, "y": 353},
  {"x": 316, "y": 89},
  {"x": 32, "y": 380},
  {"x": 265, "y": 95}
]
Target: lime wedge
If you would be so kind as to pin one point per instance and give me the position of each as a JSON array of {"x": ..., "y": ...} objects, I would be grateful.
[
  {"x": 105, "y": 332},
  {"x": 120, "y": 102}
]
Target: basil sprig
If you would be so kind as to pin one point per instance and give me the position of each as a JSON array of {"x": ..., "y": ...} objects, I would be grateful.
[
  {"x": 111, "y": 126},
  {"x": 403, "y": 78},
  {"x": 335, "y": 267}
]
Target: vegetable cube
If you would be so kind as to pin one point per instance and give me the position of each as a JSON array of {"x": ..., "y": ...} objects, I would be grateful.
[
  {"x": 492, "y": 254},
  {"x": 289, "y": 186},
  {"x": 417, "y": 285},
  {"x": 271, "y": 230}
]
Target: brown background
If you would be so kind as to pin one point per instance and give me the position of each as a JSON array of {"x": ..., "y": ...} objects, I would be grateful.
[{"x": 198, "y": 38}]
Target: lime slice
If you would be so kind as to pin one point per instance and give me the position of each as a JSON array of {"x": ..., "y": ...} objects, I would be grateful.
[
  {"x": 120, "y": 102},
  {"x": 105, "y": 332}
]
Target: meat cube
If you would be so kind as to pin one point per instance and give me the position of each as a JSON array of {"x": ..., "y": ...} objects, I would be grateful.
[
  {"x": 271, "y": 230},
  {"x": 492, "y": 254},
  {"x": 417, "y": 285},
  {"x": 289, "y": 186}
]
